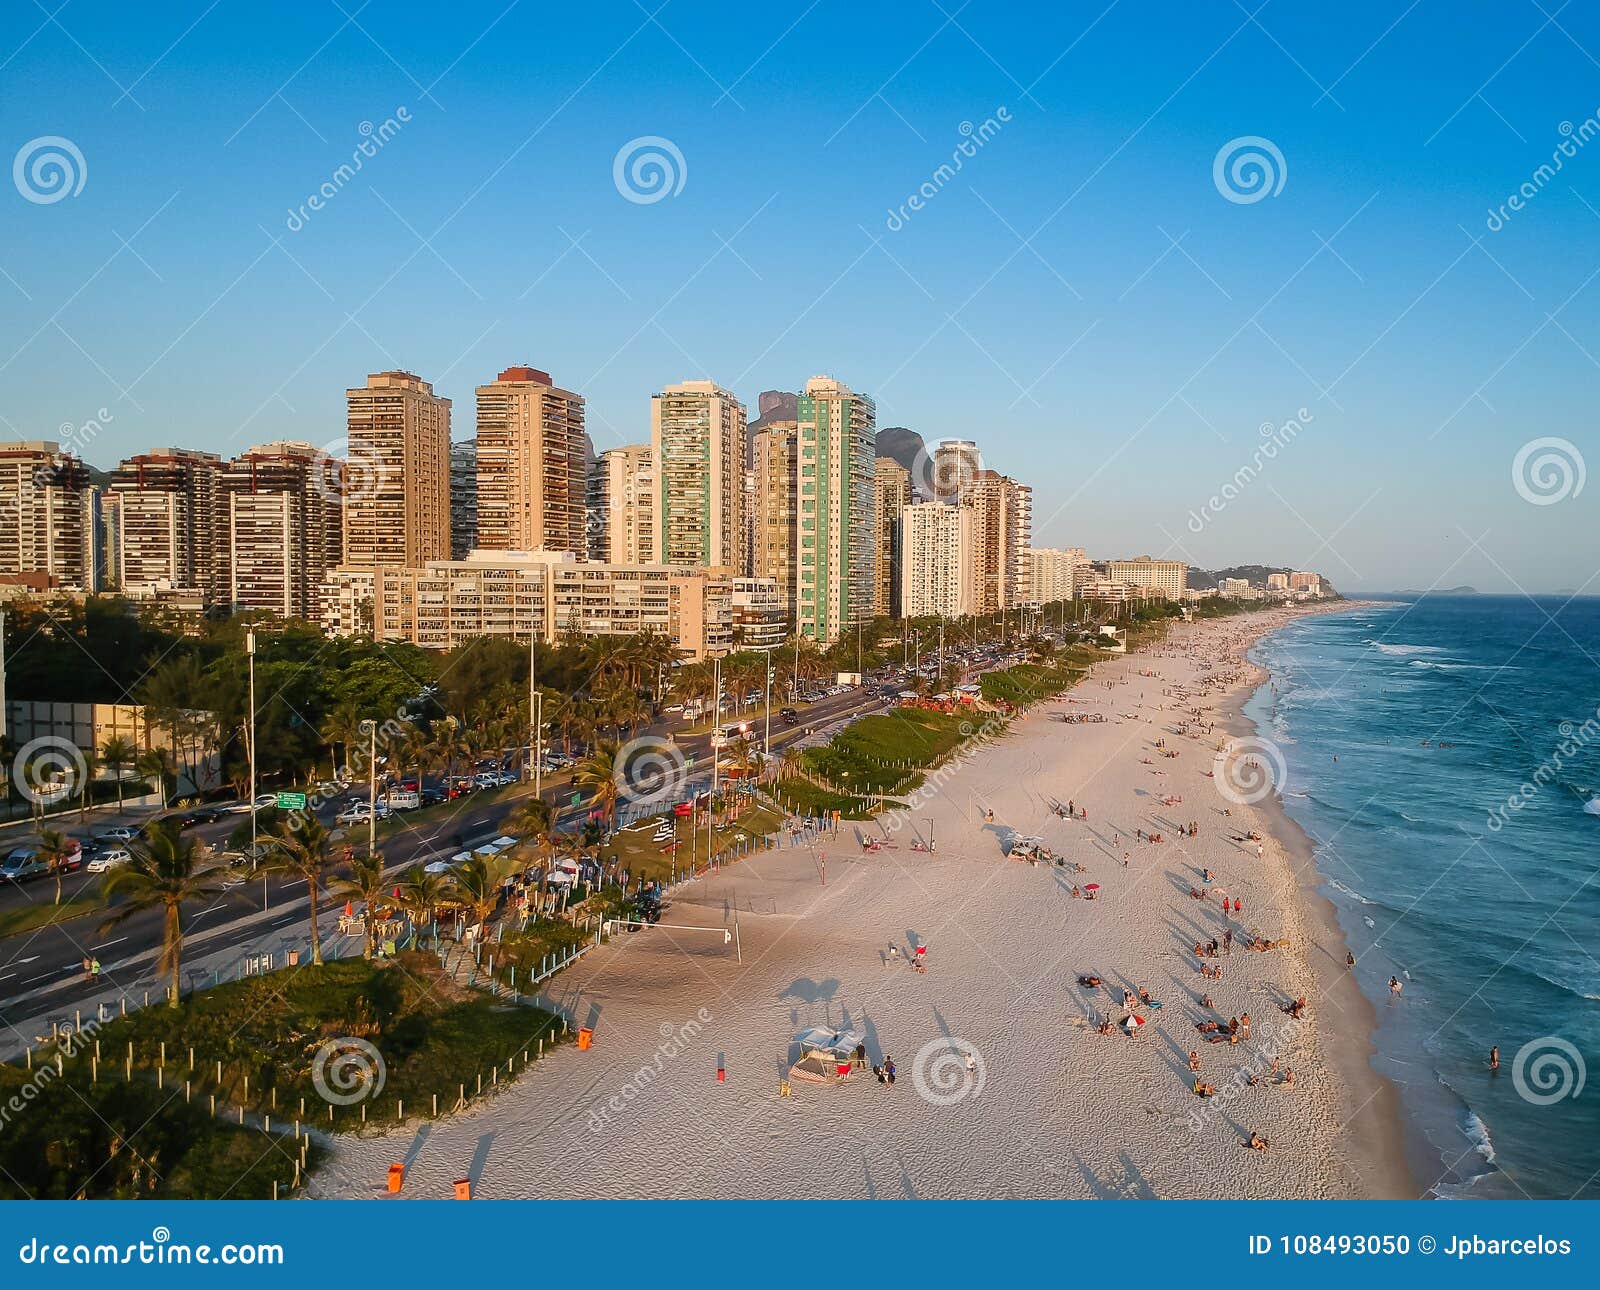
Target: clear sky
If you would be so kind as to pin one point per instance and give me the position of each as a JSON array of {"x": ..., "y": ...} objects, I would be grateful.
[{"x": 1080, "y": 297}]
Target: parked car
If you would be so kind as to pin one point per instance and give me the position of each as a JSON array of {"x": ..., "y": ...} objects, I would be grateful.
[
  {"x": 116, "y": 833},
  {"x": 109, "y": 859}
]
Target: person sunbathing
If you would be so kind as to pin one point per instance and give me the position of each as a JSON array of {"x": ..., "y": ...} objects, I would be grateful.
[
  {"x": 1194, "y": 1060},
  {"x": 1091, "y": 981},
  {"x": 1257, "y": 1142}
]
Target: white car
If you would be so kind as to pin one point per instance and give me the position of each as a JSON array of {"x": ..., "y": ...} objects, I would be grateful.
[
  {"x": 108, "y": 860},
  {"x": 356, "y": 813},
  {"x": 117, "y": 833}
]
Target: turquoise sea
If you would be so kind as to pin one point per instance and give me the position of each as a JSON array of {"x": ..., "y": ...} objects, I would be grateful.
[{"x": 1443, "y": 753}]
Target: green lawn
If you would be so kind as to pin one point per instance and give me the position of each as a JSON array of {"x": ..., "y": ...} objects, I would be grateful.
[
  {"x": 41, "y": 913},
  {"x": 642, "y": 856},
  {"x": 805, "y": 798},
  {"x": 1029, "y": 682},
  {"x": 885, "y": 752}
]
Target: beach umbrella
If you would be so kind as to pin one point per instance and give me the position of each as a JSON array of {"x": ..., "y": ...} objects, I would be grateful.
[
  {"x": 1132, "y": 1022},
  {"x": 1091, "y": 886}
]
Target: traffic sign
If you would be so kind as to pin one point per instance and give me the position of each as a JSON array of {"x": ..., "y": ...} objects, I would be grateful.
[{"x": 291, "y": 801}]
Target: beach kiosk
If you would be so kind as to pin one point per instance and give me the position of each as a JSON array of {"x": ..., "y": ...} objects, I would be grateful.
[{"x": 826, "y": 1056}]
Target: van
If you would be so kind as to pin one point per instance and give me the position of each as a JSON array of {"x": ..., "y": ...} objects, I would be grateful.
[
  {"x": 22, "y": 864},
  {"x": 403, "y": 799}
]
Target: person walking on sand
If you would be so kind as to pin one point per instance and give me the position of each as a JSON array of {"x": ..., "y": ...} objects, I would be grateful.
[
  {"x": 1350, "y": 959},
  {"x": 1395, "y": 987}
]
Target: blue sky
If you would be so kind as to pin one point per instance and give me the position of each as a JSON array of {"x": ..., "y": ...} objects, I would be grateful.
[{"x": 1080, "y": 298}]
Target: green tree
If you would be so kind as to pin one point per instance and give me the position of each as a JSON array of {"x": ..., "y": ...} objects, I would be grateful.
[
  {"x": 300, "y": 848},
  {"x": 598, "y": 776},
  {"x": 118, "y": 754},
  {"x": 54, "y": 850},
  {"x": 366, "y": 884},
  {"x": 167, "y": 872}
]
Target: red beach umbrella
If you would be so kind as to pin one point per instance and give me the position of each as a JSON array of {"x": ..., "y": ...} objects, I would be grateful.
[{"x": 1091, "y": 886}]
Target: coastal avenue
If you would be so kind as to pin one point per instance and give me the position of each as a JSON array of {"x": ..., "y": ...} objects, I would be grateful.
[{"x": 35, "y": 961}]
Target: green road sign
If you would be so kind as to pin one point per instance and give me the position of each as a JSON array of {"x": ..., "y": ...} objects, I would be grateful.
[{"x": 291, "y": 801}]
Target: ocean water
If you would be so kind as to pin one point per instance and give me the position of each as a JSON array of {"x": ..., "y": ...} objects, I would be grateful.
[{"x": 1443, "y": 754}]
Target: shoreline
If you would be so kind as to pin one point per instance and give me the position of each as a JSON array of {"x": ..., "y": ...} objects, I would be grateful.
[
  {"x": 1380, "y": 1144},
  {"x": 1055, "y": 1107}
]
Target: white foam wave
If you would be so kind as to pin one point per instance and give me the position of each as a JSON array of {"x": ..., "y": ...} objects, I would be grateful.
[
  {"x": 1592, "y": 806},
  {"x": 1477, "y": 1133},
  {"x": 1403, "y": 651},
  {"x": 1350, "y": 892}
]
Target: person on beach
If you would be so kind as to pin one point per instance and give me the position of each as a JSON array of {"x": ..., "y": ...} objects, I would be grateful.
[
  {"x": 1194, "y": 1059},
  {"x": 1257, "y": 1142},
  {"x": 1494, "y": 1058},
  {"x": 1395, "y": 987},
  {"x": 1350, "y": 959}
]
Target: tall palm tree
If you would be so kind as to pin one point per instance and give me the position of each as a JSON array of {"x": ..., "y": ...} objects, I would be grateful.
[
  {"x": 597, "y": 776},
  {"x": 155, "y": 764},
  {"x": 366, "y": 884},
  {"x": 166, "y": 871},
  {"x": 118, "y": 753},
  {"x": 303, "y": 852},
  {"x": 476, "y": 885},
  {"x": 85, "y": 790},
  {"x": 54, "y": 850},
  {"x": 421, "y": 894}
]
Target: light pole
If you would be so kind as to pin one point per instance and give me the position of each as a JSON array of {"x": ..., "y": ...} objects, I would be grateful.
[
  {"x": 250, "y": 661},
  {"x": 370, "y": 729},
  {"x": 766, "y": 741},
  {"x": 716, "y": 727}
]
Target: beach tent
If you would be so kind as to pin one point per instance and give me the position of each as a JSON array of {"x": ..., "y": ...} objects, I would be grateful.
[{"x": 826, "y": 1055}]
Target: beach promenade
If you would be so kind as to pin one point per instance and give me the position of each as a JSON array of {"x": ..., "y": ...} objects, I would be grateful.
[{"x": 1005, "y": 1086}]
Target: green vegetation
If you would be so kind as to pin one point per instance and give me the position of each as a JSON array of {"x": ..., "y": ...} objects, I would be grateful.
[
  {"x": 805, "y": 798},
  {"x": 109, "y": 1139},
  {"x": 1029, "y": 682},
  {"x": 884, "y": 753},
  {"x": 270, "y": 1035},
  {"x": 29, "y": 918}
]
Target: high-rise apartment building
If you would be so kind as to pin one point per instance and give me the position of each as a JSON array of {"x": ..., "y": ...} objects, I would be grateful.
[
  {"x": 774, "y": 536},
  {"x": 463, "y": 498},
  {"x": 622, "y": 506},
  {"x": 532, "y": 467},
  {"x": 167, "y": 539},
  {"x": 279, "y": 528},
  {"x": 938, "y": 554},
  {"x": 1056, "y": 572},
  {"x": 697, "y": 440},
  {"x": 47, "y": 526},
  {"x": 954, "y": 464},
  {"x": 396, "y": 492},
  {"x": 835, "y": 542},
  {"x": 892, "y": 485},
  {"x": 1167, "y": 578},
  {"x": 1003, "y": 524}
]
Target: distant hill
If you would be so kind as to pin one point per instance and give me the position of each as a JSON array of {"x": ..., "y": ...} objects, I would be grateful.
[
  {"x": 772, "y": 405},
  {"x": 901, "y": 445}
]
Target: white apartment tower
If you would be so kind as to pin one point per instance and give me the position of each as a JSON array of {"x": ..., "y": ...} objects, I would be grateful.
[
  {"x": 938, "y": 556},
  {"x": 697, "y": 441}
]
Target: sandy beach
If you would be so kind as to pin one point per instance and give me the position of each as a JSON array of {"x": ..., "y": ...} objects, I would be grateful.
[{"x": 1005, "y": 1087}]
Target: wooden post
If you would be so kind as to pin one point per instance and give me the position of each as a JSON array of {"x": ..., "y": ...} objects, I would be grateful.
[
  {"x": 435, "y": 1106},
  {"x": 213, "y": 1104},
  {"x": 191, "y": 1056}
]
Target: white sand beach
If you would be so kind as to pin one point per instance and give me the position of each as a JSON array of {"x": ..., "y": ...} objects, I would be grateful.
[{"x": 1053, "y": 1109}]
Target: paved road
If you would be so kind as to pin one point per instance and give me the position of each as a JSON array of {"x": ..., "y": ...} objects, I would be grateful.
[{"x": 49, "y": 956}]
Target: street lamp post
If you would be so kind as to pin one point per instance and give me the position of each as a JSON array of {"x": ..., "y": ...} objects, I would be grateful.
[
  {"x": 370, "y": 729},
  {"x": 766, "y": 741},
  {"x": 250, "y": 660}
]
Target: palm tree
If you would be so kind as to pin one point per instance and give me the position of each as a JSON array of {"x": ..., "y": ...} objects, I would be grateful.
[
  {"x": 475, "y": 886},
  {"x": 303, "y": 852},
  {"x": 155, "y": 764},
  {"x": 421, "y": 893},
  {"x": 166, "y": 871},
  {"x": 54, "y": 850},
  {"x": 118, "y": 753},
  {"x": 90, "y": 760},
  {"x": 597, "y": 775},
  {"x": 367, "y": 885}
]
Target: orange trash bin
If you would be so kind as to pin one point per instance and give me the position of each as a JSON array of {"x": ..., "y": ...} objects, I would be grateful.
[
  {"x": 585, "y": 1038},
  {"x": 463, "y": 1189},
  {"x": 397, "y": 1177}
]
